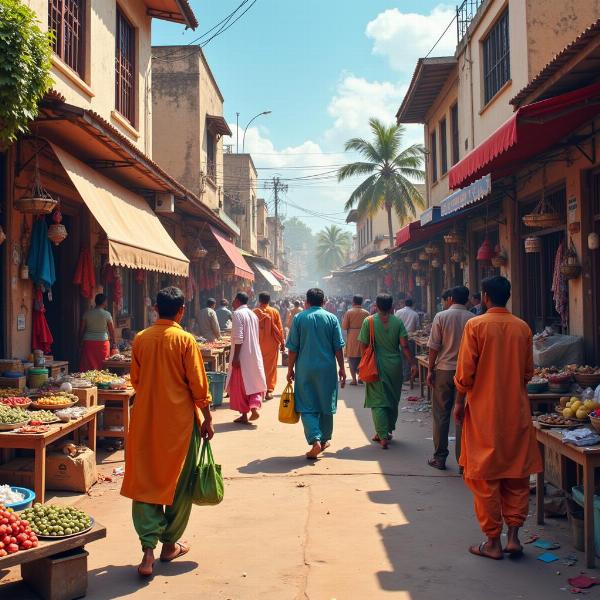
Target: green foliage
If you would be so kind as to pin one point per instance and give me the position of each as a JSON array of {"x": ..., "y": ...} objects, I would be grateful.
[
  {"x": 333, "y": 244},
  {"x": 25, "y": 52},
  {"x": 389, "y": 170}
]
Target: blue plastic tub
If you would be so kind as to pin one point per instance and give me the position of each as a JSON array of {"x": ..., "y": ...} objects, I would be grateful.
[
  {"x": 26, "y": 502},
  {"x": 217, "y": 386},
  {"x": 578, "y": 497}
]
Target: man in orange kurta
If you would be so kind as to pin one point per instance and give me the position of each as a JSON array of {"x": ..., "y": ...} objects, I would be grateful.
[
  {"x": 271, "y": 339},
  {"x": 499, "y": 448},
  {"x": 170, "y": 416}
]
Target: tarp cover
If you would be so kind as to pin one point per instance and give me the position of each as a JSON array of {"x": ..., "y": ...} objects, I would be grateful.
[
  {"x": 269, "y": 277},
  {"x": 136, "y": 237}
]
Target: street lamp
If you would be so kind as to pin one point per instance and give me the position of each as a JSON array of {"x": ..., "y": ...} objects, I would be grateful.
[{"x": 266, "y": 112}]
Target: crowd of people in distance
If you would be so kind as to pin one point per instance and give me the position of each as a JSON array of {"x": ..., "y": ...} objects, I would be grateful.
[{"x": 479, "y": 363}]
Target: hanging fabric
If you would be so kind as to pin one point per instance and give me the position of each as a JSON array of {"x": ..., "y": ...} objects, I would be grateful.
[
  {"x": 560, "y": 287},
  {"x": 41, "y": 335},
  {"x": 85, "y": 275},
  {"x": 41, "y": 259}
]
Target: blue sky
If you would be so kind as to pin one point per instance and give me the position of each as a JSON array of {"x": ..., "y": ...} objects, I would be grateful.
[{"x": 323, "y": 67}]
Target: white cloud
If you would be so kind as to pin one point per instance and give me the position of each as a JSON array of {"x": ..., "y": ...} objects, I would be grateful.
[{"x": 403, "y": 38}]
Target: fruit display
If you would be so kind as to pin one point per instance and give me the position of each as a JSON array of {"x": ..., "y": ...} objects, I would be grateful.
[
  {"x": 56, "y": 400},
  {"x": 16, "y": 532},
  {"x": 15, "y": 401},
  {"x": 39, "y": 417},
  {"x": 13, "y": 416},
  {"x": 9, "y": 392},
  {"x": 33, "y": 429},
  {"x": 49, "y": 520},
  {"x": 99, "y": 377},
  {"x": 576, "y": 408},
  {"x": 557, "y": 421}
]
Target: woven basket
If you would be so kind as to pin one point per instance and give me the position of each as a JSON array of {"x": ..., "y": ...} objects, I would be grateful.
[
  {"x": 453, "y": 238},
  {"x": 570, "y": 271},
  {"x": 544, "y": 220},
  {"x": 35, "y": 206},
  {"x": 499, "y": 261},
  {"x": 588, "y": 379},
  {"x": 533, "y": 245},
  {"x": 595, "y": 421}
]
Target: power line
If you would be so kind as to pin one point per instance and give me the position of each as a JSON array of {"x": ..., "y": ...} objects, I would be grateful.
[{"x": 441, "y": 36}]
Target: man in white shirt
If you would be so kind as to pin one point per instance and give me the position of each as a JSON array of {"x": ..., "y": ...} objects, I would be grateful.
[{"x": 409, "y": 316}]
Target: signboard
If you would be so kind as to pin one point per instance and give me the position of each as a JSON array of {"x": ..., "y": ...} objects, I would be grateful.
[
  {"x": 430, "y": 215},
  {"x": 465, "y": 196}
]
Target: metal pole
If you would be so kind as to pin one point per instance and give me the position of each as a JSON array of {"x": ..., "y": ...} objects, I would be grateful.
[
  {"x": 237, "y": 132},
  {"x": 265, "y": 112}
]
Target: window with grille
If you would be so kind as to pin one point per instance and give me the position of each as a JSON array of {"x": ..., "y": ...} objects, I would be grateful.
[
  {"x": 125, "y": 75},
  {"x": 443, "y": 146},
  {"x": 496, "y": 58},
  {"x": 454, "y": 133},
  {"x": 433, "y": 154},
  {"x": 66, "y": 20}
]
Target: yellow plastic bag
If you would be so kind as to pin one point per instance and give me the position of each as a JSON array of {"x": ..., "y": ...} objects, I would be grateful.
[{"x": 287, "y": 406}]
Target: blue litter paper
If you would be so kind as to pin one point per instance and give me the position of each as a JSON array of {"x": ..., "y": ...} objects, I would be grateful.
[
  {"x": 546, "y": 545},
  {"x": 547, "y": 557}
]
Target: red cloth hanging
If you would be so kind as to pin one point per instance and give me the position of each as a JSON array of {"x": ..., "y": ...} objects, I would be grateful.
[
  {"x": 41, "y": 338},
  {"x": 84, "y": 274}
]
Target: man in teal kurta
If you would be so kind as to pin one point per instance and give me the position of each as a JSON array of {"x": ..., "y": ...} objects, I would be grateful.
[
  {"x": 391, "y": 340},
  {"x": 315, "y": 342}
]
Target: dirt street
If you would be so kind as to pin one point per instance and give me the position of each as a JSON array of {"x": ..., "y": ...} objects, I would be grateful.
[{"x": 361, "y": 523}]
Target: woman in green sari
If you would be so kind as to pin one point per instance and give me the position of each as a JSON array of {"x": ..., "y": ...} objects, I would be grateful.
[{"x": 391, "y": 341}]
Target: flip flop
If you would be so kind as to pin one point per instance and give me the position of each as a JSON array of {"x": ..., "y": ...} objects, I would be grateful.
[
  {"x": 480, "y": 551},
  {"x": 182, "y": 550},
  {"x": 324, "y": 446}
]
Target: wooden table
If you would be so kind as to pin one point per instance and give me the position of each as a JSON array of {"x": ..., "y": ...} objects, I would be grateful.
[
  {"x": 589, "y": 460},
  {"x": 421, "y": 344},
  {"x": 121, "y": 367},
  {"x": 546, "y": 398},
  {"x": 33, "y": 572},
  {"x": 423, "y": 364},
  {"x": 39, "y": 441},
  {"x": 124, "y": 401}
]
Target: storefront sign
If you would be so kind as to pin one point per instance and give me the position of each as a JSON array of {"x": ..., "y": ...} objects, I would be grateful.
[
  {"x": 465, "y": 196},
  {"x": 430, "y": 215},
  {"x": 21, "y": 322}
]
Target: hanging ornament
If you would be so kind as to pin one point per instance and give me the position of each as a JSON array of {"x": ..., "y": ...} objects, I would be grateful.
[
  {"x": 500, "y": 258},
  {"x": 57, "y": 232},
  {"x": 533, "y": 245},
  {"x": 485, "y": 252},
  {"x": 435, "y": 263},
  {"x": 215, "y": 265},
  {"x": 39, "y": 201}
]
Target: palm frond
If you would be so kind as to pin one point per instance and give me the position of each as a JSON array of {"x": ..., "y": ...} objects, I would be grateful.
[
  {"x": 364, "y": 148},
  {"x": 362, "y": 190},
  {"x": 356, "y": 168}
]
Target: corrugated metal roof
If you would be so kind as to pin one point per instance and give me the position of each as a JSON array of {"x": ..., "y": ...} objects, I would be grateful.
[
  {"x": 585, "y": 72},
  {"x": 427, "y": 82}
]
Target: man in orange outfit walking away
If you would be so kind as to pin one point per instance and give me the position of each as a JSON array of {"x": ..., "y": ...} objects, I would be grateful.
[
  {"x": 270, "y": 331},
  {"x": 499, "y": 448}
]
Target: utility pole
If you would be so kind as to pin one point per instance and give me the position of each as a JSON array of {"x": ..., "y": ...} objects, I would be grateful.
[
  {"x": 277, "y": 188},
  {"x": 237, "y": 132}
]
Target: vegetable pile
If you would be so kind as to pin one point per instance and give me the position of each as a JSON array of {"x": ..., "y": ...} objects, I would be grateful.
[
  {"x": 15, "y": 533},
  {"x": 15, "y": 401},
  {"x": 9, "y": 392},
  {"x": 42, "y": 416},
  {"x": 51, "y": 520},
  {"x": 10, "y": 416}
]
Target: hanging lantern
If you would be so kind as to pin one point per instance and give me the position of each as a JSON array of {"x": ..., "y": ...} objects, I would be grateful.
[
  {"x": 593, "y": 241},
  {"x": 453, "y": 239},
  {"x": 456, "y": 257},
  {"x": 430, "y": 249},
  {"x": 57, "y": 232},
  {"x": 423, "y": 255},
  {"x": 215, "y": 265},
  {"x": 533, "y": 245},
  {"x": 485, "y": 252},
  {"x": 416, "y": 266},
  {"x": 435, "y": 263},
  {"x": 196, "y": 251}
]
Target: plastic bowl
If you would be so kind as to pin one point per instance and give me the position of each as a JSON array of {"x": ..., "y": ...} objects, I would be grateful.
[{"x": 26, "y": 502}]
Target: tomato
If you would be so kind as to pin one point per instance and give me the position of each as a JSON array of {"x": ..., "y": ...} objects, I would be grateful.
[
  {"x": 13, "y": 540},
  {"x": 13, "y": 548},
  {"x": 2, "y": 530},
  {"x": 3, "y": 552},
  {"x": 6, "y": 540},
  {"x": 4, "y": 520},
  {"x": 34, "y": 544},
  {"x": 21, "y": 538},
  {"x": 12, "y": 518},
  {"x": 27, "y": 544},
  {"x": 25, "y": 523}
]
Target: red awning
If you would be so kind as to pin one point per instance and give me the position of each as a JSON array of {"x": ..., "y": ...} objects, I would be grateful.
[
  {"x": 279, "y": 275},
  {"x": 415, "y": 233},
  {"x": 533, "y": 129},
  {"x": 241, "y": 267}
]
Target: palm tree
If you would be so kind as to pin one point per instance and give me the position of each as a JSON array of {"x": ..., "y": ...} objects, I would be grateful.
[
  {"x": 332, "y": 247},
  {"x": 390, "y": 173}
]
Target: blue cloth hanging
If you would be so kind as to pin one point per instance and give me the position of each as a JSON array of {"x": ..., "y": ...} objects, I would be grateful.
[{"x": 41, "y": 258}]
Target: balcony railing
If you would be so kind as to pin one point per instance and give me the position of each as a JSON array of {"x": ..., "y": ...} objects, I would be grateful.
[{"x": 465, "y": 13}]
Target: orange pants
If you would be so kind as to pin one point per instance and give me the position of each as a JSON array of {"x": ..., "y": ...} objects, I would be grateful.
[{"x": 496, "y": 500}]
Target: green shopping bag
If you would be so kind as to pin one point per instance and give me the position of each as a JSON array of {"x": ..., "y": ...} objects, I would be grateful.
[{"x": 207, "y": 484}]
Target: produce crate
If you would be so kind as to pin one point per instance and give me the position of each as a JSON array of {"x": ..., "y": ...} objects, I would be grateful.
[
  {"x": 59, "y": 577},
  {"x": 18, "y": 472},
  {"x": 13, "y": 382},
  {"x": 87, "y": 396},
  {"x": 113, "y": 417}
]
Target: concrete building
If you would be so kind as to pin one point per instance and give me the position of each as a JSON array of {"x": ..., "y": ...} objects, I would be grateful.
[
  {"x": 187, "y": 117},
  {"x": 240, "y": 200}
]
